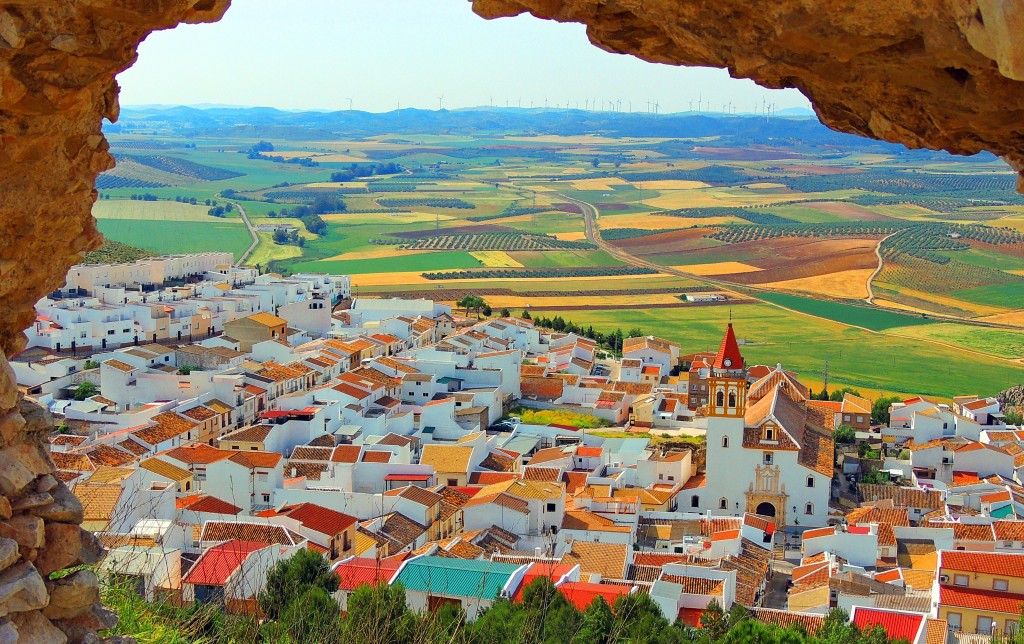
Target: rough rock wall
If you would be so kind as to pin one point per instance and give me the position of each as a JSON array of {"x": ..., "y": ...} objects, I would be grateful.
[
  {"x": 936, "y": 73},
  {"x": 57, "y": 65}
]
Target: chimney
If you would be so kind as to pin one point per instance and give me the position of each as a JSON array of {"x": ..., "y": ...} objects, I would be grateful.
[{"x": 538, "y": 552}]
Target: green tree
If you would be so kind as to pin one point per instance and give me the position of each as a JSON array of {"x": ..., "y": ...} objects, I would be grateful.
[
  {"x": 713, "y": 621},
  {"x": 837, "y": 396},
  {"x": 487, "y": 310},
  {"x": 505, "y": 313},
  {"x": 1014, "y": 417},
  {"x": 526, "y": 315},
  {"x": 294, "y": 575},
  {"x": 598, "y": 622},
  {"x": 91, "y": 364},
  {"x": 844, "y": 434},
  {"x": 313, "y": 616},
  {"x": 86, "y": 390},
  {"x": 880, "y": 409}
]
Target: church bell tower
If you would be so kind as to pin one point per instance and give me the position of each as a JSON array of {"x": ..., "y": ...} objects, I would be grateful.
[{"x": 727, "y": 383}]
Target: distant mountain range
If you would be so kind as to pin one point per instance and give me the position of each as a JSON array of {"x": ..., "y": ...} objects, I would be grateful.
[{"x": 792, "y": 127}]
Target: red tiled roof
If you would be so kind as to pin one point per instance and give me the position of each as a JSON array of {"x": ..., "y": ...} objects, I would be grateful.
[
  {"x": 896, "y": 625},
  {"x": 315, "y": 517},
  {"x": 582, "y": 594},
  {"x": 371, "y": 456},
  {"x": 729, "y": 350},
  {"x": 980, "y": 599},
  {"x": 589, "y": 451},
  {"x": 206, "y": 503},
  {"x": 365, "y": 571},
  {"x": 990, "y": 563},
  {"x": 216, "y": 564}
]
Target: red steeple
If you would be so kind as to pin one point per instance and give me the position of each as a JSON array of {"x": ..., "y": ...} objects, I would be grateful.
[{"x": 729, "y": 358}]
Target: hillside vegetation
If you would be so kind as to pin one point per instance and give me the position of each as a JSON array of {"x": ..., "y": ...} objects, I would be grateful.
[{"x": 114, "y": 252}]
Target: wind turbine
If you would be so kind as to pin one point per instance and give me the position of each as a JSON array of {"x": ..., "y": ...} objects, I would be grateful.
[
  {"x": 699, "y": 97},
  {"x": 691, "y": 106},
  {"x": 349, "y": 103},
  {"x": 440, "y": 99}
]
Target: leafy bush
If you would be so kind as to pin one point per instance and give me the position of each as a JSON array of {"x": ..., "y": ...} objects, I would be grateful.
[{"x": 556, "y": 417}]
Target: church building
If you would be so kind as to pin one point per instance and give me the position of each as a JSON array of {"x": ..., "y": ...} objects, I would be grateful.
[{"x": 766, "y": 453}]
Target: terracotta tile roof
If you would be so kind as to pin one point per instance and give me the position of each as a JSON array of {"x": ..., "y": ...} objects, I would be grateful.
[
  {"x": 990, "y": 563},
  {"x": 345, "y": 454},
  {"x": 989, "y": 601},
  {"x": 489, "y": 478},
  {"x": 697, "y": 585},
  {"x": 365, "y": 571},
  {"x": 308, "y": 453},
  {"x": 400, "y": 529},
  {"x": 166, "y": 426},
  {"x": 574, "y": 481},
  {"x": 267, "y": 319},
  {"x": 547, "y": 455},
  {"x": 1009, "y": 530},
  {"x": 99, "y": 500},
  {"x": 130, "y": 445},
  {"x": 785, "y": 619},
  {"x": 120, "y": 366},
  {"x": 452, "y": 459},
  {"x": 67, "y": 439},
  {"x": 919, "y": 579},
  {"x": 936, "y": 631},
  {"x": 200, "y": 413},
  {"x": 585, "y": 520},
  {"x": 109, "y": 455},
  {"x": 396, "y": 440},
  {"x": 504, "y": 500},
  {"x": 531, "y": 473},
  {"x": 906, "y": 497},
  {"x": 200, "y": 454},
  {"x": 964, "y": 532},
  {"x": 248, "y": 531},
  {"x": 165, "y": 469},
  {"x": 206, "y": 503},
  {"x": 216, "y": 564},
  {"x": 606, "y": 559},
  {"x": 307, "y": 470},
  {"x": 72, "y": 462},
  {"x": 314, "y": 517},
  {"x": 250, "y": 434},
  {"x": 498, "y": 462},
  {"x": 252, "y": 460},
  {"x": 218, "y": 406},
  {"x": 424, "y": 497},
  {"x": 376, "y": 456}
]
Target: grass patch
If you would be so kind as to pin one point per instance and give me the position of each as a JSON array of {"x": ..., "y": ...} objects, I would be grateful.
[
  {"x": 556, "y": 259},
  {"x": 1007, "y": 295},
  {"x": 154, "y": 210},
  {"x": 555, "y": 417},
  {"x": 171, "y": 237},
  {"x": 845, "y": 313}
]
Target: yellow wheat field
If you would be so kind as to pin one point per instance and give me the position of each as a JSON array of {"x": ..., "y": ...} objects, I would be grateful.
[
  {"x": 573, "y": 236},
  {"x": 496, "y": 259},
  {"x": 717, "y": 268},
  {"x": 522, "y": 301},
  {"x": 889, "y": 304},
  {"x": 335, "y": 184},
  {"x": 670, "y": 184},
  {"x": 977, "y": 309},
  {"x": 850, "y": 284},
  {"x": 380, "y": 252},
  {"x": 1016, "y": 318},
  {"x": 597, "y": 184},
  {"x": 415, "y": 278},
  {"x": 385, "y": 219}
]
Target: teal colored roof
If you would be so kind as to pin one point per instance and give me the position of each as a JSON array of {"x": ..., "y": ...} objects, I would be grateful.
[
  {"x": 444, "y": 380},
  {"x": 1002, "y": 513},
  {"x": 456, "y": 577}
]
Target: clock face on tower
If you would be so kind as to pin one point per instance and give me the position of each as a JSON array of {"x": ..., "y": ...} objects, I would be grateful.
[{"x": 727, "y": 362}]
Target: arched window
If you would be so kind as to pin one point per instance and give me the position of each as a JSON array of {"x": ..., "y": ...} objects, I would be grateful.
[
  {"x": 809, "y": 508},
  {"x": 725, "y": 441},
  {"x": 723, "y": 503},
  {"x": 732, "y": 399},
  {"x": 810, "y": 481},
  {"x": 720, "y": 398},
  {"x": 695, "y": 501}
]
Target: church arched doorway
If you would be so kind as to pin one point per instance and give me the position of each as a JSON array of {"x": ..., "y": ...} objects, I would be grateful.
[{"x": 765, "y": 509}]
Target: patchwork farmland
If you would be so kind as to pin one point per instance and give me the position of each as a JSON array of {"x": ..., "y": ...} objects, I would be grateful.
[{"x": 919, "y": 250}]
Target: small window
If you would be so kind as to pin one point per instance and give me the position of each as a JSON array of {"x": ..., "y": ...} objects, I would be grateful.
[
  {"x": 671, "y": 478},
  {"x": 262, "y": 477},
  {"x": 1002, "y": 585},
  {"x": 846, "y": 417},
  {"x": 961, "y": 580},
  {"x": 720, "y": 399},
  {"x": 810, "y": 481},
  {"x": 551, "y": 507},
  {"x": 723, "y": 503},
  {"x": 860, "y": 419},
  {"x": 769, "y": 433},
  {"x": 695, "y": 501},
  {"x": 767, "y": 458},
  {"x": 809, "y": 508},
  {"x": 453, "y": 482},
  {"x": 266, "y": 498},
  {"x": 661, "y": 477},
  {"x": 985, "y": 625},
  {"x": 732, "y": 400},
  {"x": 725, "y": 441}
]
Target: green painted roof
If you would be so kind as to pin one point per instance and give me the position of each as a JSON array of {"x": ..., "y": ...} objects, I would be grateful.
[
  {"x": 456, "y": 577},
  {"x": 1002, "y": 513}
]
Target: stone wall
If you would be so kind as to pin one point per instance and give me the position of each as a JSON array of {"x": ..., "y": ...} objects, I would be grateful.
[
  {"x": 944, "y": 74},
  {"x": 57, "y": 65}
]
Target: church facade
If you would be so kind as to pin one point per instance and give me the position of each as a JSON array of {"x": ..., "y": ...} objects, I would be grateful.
[{"x": 766, "y": 453}]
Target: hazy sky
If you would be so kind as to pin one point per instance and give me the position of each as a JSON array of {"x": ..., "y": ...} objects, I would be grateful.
[{"x": 316, "y": 54}]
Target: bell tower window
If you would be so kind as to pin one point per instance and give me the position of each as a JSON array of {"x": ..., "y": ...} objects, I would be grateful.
[
  {"x": 732, "y": 399},
  {"x": 720, "y": 398}
]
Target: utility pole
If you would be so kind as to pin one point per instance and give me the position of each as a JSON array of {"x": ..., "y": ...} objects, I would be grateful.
[{"x": 824, "y": 377}]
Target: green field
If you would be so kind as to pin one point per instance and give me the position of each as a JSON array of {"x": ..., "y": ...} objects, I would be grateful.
[
  {"x": 1008, "y": 295},
  {"x": 566, "y": 258},
  {"x": 855, "y": 357},
  {"x": 172, "y": 237},
  {"x": 861, "y": 316}
]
